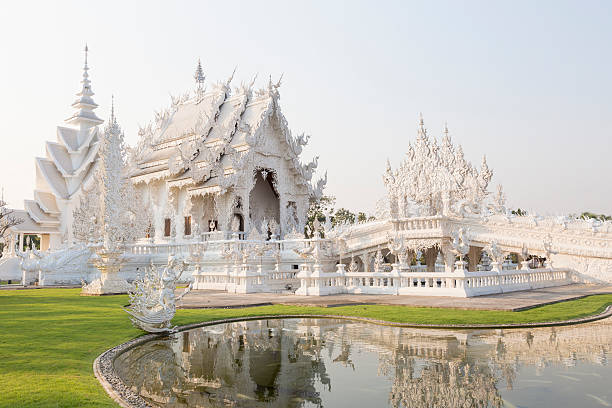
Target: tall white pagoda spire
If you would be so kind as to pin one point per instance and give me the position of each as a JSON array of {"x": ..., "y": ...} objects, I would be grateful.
[
  {"x": 68, "y": 165},
  {"x": 85, "y": 117}
]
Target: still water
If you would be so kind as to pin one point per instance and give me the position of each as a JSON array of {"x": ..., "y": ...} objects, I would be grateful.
[{"x": 339, "y": 363}]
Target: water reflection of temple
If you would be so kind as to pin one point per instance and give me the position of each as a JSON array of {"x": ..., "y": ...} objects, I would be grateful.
[
  {"x": 284, "y": 363},
  {"x": 244, "y": 364}
]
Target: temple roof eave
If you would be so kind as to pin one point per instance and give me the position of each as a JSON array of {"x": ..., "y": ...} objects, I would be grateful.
[
  {"x": 46, "y": 201},
  {"x": 30, "y": 226},
  {"x": 38, "y": 215},
  {"x": 78, "y": 118},
  {"x": 84, "y": 103},
  {"x": 57, "y": 185}
]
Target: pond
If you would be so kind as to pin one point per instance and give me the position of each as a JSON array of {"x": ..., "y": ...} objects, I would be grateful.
[{"x": 342, "y": 363}]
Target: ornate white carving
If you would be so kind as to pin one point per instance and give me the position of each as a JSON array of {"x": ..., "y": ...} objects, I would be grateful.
[
  {"x": 152, "y": 301},
  {"x": 437, "y": 179}
]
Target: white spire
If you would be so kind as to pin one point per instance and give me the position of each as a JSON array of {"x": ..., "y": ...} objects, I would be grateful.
[
  {"x": 85, "y": 117},
  {"x": 199, "y": 76},
  {"x": 112, "y": 116},
  {"x": 422, "y": 132}
]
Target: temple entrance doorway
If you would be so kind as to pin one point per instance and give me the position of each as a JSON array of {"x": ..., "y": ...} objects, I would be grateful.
[{"x": 264, "y": 200}]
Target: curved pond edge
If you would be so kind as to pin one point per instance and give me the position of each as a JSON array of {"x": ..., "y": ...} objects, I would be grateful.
[{"x": 104, "y": 370}]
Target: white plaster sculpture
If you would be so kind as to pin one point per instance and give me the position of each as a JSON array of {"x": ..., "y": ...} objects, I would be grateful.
[
  {"x": 113, "y": 207},
  {"x": 437, "y": 179},
  {"x": 548, "y": 249},
  {"x": 496, "y": 254},
  {"x": 460, "y": 246},
  {"x": 152, "y": 301}
]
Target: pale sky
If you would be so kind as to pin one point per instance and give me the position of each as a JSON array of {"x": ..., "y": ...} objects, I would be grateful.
[{"x": 527, "y": 83}]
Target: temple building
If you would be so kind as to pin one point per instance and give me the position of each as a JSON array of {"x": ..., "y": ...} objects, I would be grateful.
[
  {"x": 69, "y": 164},
  {"x": 217, "y": 178},
  {"x": 216, "y": 159},
  {"x": 223, "y": 159}
]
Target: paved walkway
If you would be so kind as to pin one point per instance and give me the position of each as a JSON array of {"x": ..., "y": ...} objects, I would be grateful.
[{"x": 513, "y": 301}]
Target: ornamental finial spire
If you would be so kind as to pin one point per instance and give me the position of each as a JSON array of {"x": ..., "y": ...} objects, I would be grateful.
[
  {"x": 422, "y": 132},
  {"x": 112, "y": 116},
  {"x": 199, "y": 75},
  {"x": 84, "y": 117}
]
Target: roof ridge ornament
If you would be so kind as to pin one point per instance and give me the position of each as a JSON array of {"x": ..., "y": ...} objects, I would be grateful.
[
  {"x": 112, "y": 115},
  {"x": 231, "y": 78},
  {"x": 199, "y": 75},
  {"x": 422, "y": 131},
  {"x": 85, "y": 117}
]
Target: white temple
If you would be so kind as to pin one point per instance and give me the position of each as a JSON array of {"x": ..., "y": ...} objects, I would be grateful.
[
  {"x": 217, "y": 179},
  {"x": 218, "y": 156}
]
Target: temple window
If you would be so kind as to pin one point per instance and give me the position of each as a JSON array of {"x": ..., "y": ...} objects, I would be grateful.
[
  {"x": 167, "y": 227},
  {"x": 188, "y": 225}
]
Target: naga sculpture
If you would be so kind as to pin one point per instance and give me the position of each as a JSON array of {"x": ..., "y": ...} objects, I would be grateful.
[{"x": 152, "y": 301}]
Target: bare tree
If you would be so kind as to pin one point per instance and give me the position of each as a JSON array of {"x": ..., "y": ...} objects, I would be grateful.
[{"x": 7, "y": 220}]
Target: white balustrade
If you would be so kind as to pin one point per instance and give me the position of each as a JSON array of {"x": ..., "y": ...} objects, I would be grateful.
[
  {"x": 458, "y": 284},
  {"x": 264, "y": 272}
]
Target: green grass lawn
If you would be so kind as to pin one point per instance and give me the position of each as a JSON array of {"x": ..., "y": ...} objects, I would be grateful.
[{"x": 49, "y": 338}]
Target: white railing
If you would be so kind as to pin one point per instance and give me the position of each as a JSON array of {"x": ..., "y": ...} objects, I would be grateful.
[
  {"x": 457, "y": 284},
  {"x": 241, "y": 278},
  {"x": 418, "y": 223}
]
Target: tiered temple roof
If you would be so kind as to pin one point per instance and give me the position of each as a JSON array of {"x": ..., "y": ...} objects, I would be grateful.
[
  {"x": 70, "y": 161},
  {"x": 204, "y": 135}
]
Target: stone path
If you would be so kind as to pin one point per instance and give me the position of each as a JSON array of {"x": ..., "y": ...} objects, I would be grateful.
[{"x": 514, "y": 301}]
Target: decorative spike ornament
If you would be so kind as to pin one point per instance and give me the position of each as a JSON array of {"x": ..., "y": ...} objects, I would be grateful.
[{"x": 199, "y": 76}]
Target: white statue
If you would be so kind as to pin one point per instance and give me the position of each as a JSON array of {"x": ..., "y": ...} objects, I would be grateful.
[
  {"x": 496, "y": 253},
  {"x": 152, "y": 302},
  {"x": 460, "y": 243},
  {"x": 547, "y": 244}
]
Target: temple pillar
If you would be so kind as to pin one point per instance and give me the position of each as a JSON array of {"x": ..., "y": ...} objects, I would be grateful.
[
  {"x": 365, "y": 259},
  {"x": 474, "y": 257},
  {"x": 431, "y": 254},
  {"x": 45, "y": 241},
  {"x": 282, "y": 213},
  {"x": 21, "y": 242},
  {"x": 449, "y": 258},
  {"x": 224, "y": 206},
  {"x": 187, "y": 212},
  {"x": 11, "y": 249}
]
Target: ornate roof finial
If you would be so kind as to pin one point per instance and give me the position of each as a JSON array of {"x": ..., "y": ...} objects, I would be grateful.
[
  {"x": 199, "y": 75},
  {"x": 445, "y": 128},
  {"x": 112, "y": 123},
  {"x": 112, "y": 117},
  {"x": 422, "y": 132},
  {"x": 84, "y": 116},
  {"x": 253, "y": 81}
]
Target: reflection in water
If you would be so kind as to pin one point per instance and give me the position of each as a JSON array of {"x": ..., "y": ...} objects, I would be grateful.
[{"x": 295, "y": 363}]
